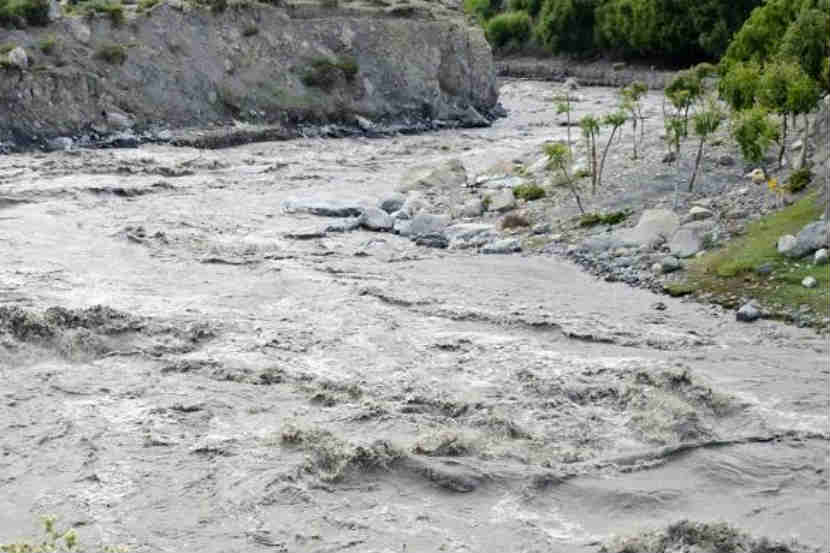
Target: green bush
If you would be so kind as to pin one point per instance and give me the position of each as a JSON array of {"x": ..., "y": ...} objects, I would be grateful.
[
  {"x": 324, "y": 73},
  {"x": 799, "y": 180},
  {"x": 567, "y": 25},
  {"x": 530, "y": 6},
  {"x": 529, "y": 192},
  {"x": 754, "y": 132},
  {"x": 508, "y": 27},
  {"x": 593, "y": 219},
  {"x": 482, "y": 9},
  {"x": 20, "y": 13},
  {"x": 113, "y": 8},
  {"x": 112, "y": 53}
]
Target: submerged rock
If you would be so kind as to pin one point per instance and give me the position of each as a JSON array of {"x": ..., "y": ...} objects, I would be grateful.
[{"x": 376, "y": 219}]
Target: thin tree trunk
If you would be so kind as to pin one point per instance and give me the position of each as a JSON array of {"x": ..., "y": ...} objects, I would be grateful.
[
  {"x": 573, "y": 191},
  {"x": 783, "y": 142},
  {"x": 803, "y": 163},
  {"x": 568, "y": 104},
  {"x": 697, "y": 164},
  {"x": 595, "y": 179},
  {"x": 634, "y": 134},
  {"x": 604, "y": 155}
]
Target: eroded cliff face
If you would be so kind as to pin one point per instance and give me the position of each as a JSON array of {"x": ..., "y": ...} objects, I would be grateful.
[{"x": 189, "y": 67}]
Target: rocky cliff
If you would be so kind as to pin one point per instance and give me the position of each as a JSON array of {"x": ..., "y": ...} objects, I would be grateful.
[{"x": 180, "y": 65}]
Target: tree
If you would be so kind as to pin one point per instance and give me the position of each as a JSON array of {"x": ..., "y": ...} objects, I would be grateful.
[
  {"x": 754, "y": 132},
  {"x": 590, "y": 130},
  {"x": 559, "y": 158},
  {"x": 565, "y": 107},
  {"x": 615, "y": 121},
  {"x": 631, "y": 97},
  {"x": 704, "y": 123},
  {"x": 683, "y": 92},
  {"x": 739, "y": 86}
]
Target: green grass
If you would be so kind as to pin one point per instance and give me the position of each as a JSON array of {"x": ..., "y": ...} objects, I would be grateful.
[
  {"x": 730, "y": 273},
  {"x": 113, "y": 8}
]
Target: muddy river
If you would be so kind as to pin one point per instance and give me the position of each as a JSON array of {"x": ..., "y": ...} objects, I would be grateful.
[{"x": 180, "y": 371}]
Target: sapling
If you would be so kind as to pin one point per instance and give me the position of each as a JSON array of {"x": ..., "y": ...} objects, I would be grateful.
[
  {"x": 704, "y": 124},
  {"x": 615, "y": 121},
  {"x": 565, "y": 107},
  {"x": 590, "y": 130},
  {"x": 559, "y": 158},
  {"x": 632, "y": 96}
]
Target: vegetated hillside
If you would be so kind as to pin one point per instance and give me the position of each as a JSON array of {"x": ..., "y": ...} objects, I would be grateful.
[
  {"x": 101, "y": 66},
  {"x": 677, "y": 32}
]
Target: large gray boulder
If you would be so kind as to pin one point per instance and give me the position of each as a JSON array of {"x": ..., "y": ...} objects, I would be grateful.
[
  {"x": 425, "y": 223},
  {"x": 686, "y": 242},
  {"x": 655, "y": 225},
  {"x": 501, "y": 202},
  {"x": 507, "y": 245},
  {"x": 376, "y": 219},
  {"x": 786, "y": 244},
  {"x": 392, "y": 202},
  {"x": 324, "y": 207},
  {"x": 812, "y": 237},
  {"x": 444, "y": 176},
  {"x": 470, "y": 235}
]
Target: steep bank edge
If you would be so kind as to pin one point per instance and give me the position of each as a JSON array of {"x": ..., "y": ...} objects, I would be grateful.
[{"x": 188, "y": 67}]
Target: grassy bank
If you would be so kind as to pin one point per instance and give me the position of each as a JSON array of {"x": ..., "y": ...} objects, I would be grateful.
[{"x": 729, "y": 274}]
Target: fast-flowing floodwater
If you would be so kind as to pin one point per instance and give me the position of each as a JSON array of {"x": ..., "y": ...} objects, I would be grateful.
[{"x": 177, "y": 373}]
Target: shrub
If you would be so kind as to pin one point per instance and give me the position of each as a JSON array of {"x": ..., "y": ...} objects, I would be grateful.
[
  {"x": 507, "y": 27},
  {"x": 567, "y": 25},
  {"x": 739, "y": 86},
  {"x": 112, "y": 53},
  {"x": 20, "y": 13},
  {"x": 799, "y": 180},
  {"x": 48, "y": 44},
  {"x": 532, "y": 7},
  {"x": 593, "y": 219},
  {"x": 529, "y": 192},
  {"x": 113, "y": 8},
  {"x": 754, "y": 132},
  {"x": 324, "y": 73},
  {"x": 482, "y": 9}
]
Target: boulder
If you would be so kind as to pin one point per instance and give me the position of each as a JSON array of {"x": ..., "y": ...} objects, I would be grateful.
[
  {"x": 392, "y": 203},
  {"x": 812, "y": 237},
  {"x": 18, "y": 58},
  {"x": 324, "y": 207},
  {"x": 499, "y": 181},
  {"x": 809, "y": 282},
  {"x": 413, "y": 205},
  {"x": 470, "y": 117},
  {"x": 444, "y": 176},
  {"x": 508, "y": 245},
  {"x": 686, "y": 242},
  {"x": 425, "y": 223},
  {"x": 470, "y": 235},
  {"x": 432, "y": 240},
  {"x": 118, "y": 121},
  {"x": 669, "y": 264},
  {"x": 542, "y": 228},
  {"x": 786, "y": 245},
  {"x": 571, "y": 84},
  {"x": 376, "y": 219},
  {"x": 472, "y": 208},
  {"x": 655, "y": 225},
  {"x": 346, "y": 225},
  {"x": 401, "y": 215},
  {"x": 501, "y": 202},
  {"x": 59, "y": 144},
  {"x": 820, "y": 257},
  {"x": 748, "y": 313}
]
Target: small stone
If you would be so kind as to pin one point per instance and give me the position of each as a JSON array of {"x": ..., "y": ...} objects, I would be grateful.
[
  {"x": 392, "y": 203},
  {"x": 764, "y": 269},
  {"x": 809, "y": 282},
  {"x": 670, "y": 157},
  {"x": 18, "y": 58},
  {"x": 432, "y": 240},
  {"x": 821, "y": 257},
  {"x": 508, "y": 245},
  {"x": 571, "y": 84},
  {"x": 542, "y": 228},
  {"x": 698, "y": 213},
  {"x": 659, "y": 306},
  {"x": 657, "y": 269},
  {"x": 797, "y": 145},
  {"x": 748, "y": 313},
  {"x": 742, "y": 191},
  {"x": 669, "y": 264},
  {"x": 726, "y": 161}
]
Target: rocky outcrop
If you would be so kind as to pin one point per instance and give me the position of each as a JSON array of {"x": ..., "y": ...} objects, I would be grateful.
[{"x": 180, "y": 66}]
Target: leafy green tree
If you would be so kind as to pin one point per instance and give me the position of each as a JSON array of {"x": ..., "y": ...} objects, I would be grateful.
[
  {"x": 508, "y": 27},
  {"x": 567, "y": 25},
  {"x": 590, "y": 131},
  {"x": 705, "y": 123},
  {"x": 683, "y": 91},
  {"x": 754, "y": 132},
  {"x": 739, "y": 86},
  {"x": 615, "y": 121},
  {"x": 559, "y": 158},
  {"x": 807, "y": 40}
]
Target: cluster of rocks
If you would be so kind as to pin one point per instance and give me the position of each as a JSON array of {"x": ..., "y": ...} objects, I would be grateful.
[{"x": 410, "y": 212}]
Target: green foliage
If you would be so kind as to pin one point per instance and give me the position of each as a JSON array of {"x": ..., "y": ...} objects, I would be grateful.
[
  {"x": 558, "y": 155},
  {"x": 806, "y": 40},
  {"x": 615, "y": 119},
  {"x": 754, "y": 132},
  {"x": 112, "y": 53},
  {"x": 532, "y": 7},
  {"x": 529, "y": 192},
  {"x": 784, "y": 87},
  {"x": 593, "y": 219},
  {"x": 113, "y": 8},
  {"x": 325, "y": 73},
  {"x": 567, "y": 25},
  {"x": 739, "y": 86},
  {"x": 684, "y": 89},
  {"x": 508, "y": 27},
  {"x": 799, "y": 180},
  {"x": 825, "y": 75},
  {"x": 684, "y": 30},
  {"x": 707, "y": 121},
  {"x": 482, "y": 9},
  {"x": 20, "y": 13}
]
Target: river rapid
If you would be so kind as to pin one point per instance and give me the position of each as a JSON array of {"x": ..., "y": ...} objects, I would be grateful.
[{"x": 177, "y": 373}]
